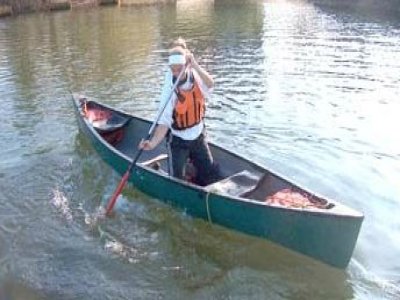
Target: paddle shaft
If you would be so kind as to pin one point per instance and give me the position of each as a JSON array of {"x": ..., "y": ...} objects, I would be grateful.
[{"x": 125, "y": 178}]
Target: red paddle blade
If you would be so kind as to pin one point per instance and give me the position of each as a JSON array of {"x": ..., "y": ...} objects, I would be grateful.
[{"x": 117, "y": 192}]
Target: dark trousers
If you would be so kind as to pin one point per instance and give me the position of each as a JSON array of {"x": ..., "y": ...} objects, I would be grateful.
[{"x": 196, "y": 151}]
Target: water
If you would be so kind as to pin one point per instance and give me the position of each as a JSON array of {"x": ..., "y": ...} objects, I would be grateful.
[{"x": 308, "y": 89}]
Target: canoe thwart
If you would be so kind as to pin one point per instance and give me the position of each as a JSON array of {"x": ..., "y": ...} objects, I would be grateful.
[
  {"x": 154, "y": 162},
  {"x": 237, "y": 185}
]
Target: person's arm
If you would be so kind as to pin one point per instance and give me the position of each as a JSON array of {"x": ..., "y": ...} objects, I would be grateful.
[
  {"x": 204, "y": 75},
  {"x": 159, "y": 134},
  {"x": 165, "y": 117}
]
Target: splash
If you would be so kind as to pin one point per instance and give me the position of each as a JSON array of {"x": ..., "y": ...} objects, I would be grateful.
[
  {"x": 372, "y": 285},
  {"x": 122, "y": 249},
  {"x": 93, "y": 219},
  {"x": 129, "y": 253},
  {"x": 61, "y": 203}
]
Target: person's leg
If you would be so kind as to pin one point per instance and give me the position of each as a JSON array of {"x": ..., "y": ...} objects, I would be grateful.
[
  {"x": 180, "y": 153},
  {"x": 203, "y": 161}
]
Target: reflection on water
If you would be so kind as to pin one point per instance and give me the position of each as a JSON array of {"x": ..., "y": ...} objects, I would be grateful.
[
  {"x": 10, "y": 289},
  {"x": 308, "y": 88}
]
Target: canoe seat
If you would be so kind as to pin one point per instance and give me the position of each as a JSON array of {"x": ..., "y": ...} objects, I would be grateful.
[
  {"x": 112, "y": 124},
  {"x": 103, "y": 119},
  {"x": 238, "y": 185}
]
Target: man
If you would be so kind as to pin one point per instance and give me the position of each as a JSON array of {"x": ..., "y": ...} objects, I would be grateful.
[{"x": 183, "y": 116}]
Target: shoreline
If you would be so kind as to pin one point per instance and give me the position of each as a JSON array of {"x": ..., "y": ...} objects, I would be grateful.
[{"x": 17, "y": 7}]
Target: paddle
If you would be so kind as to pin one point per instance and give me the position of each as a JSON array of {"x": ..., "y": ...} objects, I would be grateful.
[{"x": 125, "y": 178}]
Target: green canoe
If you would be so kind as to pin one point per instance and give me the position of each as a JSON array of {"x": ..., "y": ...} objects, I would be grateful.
[{"x": 249, "y": 198}]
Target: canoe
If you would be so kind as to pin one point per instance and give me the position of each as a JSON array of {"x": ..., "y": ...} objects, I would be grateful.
[{"x": 248, "y": 197}]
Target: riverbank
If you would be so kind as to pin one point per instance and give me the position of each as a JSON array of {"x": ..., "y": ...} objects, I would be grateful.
[
  {"x": 5, "y": 10},
  {"x": 16, "y": 7}
]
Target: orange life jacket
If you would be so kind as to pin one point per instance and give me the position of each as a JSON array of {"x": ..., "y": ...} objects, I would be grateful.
[{"x": 189, "y": 108}]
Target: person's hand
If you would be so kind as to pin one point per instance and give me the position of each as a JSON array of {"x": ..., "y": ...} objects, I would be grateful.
[
  {"x": 190, "y": 60},
  {"x": 146, "y": 145}
]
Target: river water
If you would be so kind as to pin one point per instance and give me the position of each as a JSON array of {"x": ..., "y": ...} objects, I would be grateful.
[{"x": 306, "y": 88}]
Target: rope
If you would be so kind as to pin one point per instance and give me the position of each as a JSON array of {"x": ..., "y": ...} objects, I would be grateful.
[{"x": 208, "y": 208}]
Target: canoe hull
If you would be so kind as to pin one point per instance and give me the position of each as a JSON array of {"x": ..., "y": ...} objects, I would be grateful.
[{"x": 329, "y": 238}]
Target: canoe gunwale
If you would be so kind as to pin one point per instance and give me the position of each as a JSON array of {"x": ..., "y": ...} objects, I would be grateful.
[{"x": 262, "y": 205}]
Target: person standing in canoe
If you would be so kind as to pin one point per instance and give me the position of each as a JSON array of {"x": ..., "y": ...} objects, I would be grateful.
[{"x": 183, "y": 116}]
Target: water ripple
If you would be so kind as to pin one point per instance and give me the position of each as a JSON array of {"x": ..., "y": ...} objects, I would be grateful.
[
  {"x": 306, "y": 88},
  {"x": 61, "y": 203}
]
